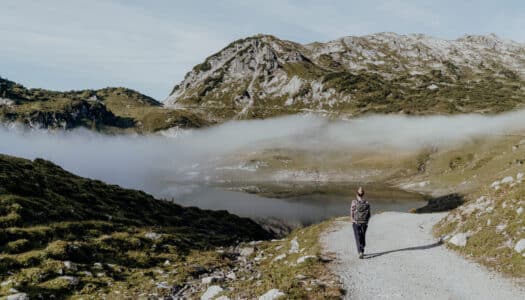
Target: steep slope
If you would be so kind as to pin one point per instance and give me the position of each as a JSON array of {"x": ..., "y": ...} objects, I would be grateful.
[
  {"x": 64, "y": 235},
  {"x": 109, "y": 109},
  {"x": 263, "y": 76}
]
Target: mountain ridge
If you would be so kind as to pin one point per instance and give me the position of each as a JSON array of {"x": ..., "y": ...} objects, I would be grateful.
[
  {"x": 262, "y": 76},
  {"x": 111, "y": 109}
]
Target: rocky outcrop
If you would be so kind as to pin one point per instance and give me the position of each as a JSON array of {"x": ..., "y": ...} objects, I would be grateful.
[
  {"x": 263, "y": 76},
  {"x": 75, "y": 114}
]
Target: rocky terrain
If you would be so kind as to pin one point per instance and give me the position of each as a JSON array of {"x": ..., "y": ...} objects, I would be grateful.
[
  {"x": 263, "y": 76},
  {"x": 107, "y": 110}
]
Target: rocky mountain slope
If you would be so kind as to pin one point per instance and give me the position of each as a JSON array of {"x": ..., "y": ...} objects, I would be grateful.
[
  {"x": 109, "y": 109},
  {"x": 263, "y": 76},
  {"x": 63, "y": 236}
]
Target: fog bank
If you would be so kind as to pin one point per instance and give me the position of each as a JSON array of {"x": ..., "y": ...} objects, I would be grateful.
[{"x": 144, "y": 161}]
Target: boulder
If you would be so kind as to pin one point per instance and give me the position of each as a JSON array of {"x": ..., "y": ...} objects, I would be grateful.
[
  {"x": 459, "y": 239},
  {"x": 246, "y": 251},
  {"x": 271, "y": 295},
  {"x": 152, "y": 235},
  {"x": 508, "y": 179},
  {"x": 520, "y": 246},
  {"x": 302, "y": 259},
  {"x": 294, "y": 246},
  {"x": 211, "y": 292},
  {"x": 18, "y": 296}
]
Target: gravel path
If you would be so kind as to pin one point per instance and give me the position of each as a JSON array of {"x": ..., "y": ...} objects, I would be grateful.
[{"x": 405, "y": 262}]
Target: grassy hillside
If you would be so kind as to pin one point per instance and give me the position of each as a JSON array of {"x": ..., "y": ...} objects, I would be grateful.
[
  {"x": 108, "y": 109},
  {"x": 66, "y": 236}
]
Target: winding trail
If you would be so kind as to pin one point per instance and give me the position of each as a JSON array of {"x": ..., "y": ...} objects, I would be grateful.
[{"x": 405, "y": 261}]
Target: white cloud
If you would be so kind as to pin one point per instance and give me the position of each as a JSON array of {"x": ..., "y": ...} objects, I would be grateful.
[{"x": 103, "y": 39}]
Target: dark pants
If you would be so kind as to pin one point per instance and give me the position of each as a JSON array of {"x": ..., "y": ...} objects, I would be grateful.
[{"x": 359, "y": 233}]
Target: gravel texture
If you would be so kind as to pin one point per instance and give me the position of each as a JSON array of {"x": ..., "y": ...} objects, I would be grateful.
[{"x": 404, "y": 261}]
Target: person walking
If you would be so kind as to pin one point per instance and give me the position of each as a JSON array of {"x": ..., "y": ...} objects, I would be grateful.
[{"x": 360, "y": 215}]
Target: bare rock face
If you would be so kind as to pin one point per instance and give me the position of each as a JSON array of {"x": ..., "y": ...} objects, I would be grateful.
[{"x": 263, "y": 76}]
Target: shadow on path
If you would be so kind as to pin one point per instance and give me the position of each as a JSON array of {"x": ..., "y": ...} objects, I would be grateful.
[{"x": 436, "y": 244}]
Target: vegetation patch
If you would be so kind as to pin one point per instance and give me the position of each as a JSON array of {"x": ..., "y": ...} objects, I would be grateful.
[{"x": 64, "y": 236}]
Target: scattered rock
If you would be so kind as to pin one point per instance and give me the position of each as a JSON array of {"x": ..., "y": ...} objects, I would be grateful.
[
  {"x": 508, "y": 179},
  {"x": 246, "y": 251},
  {"x": 152, "y": 235},
  {"x": 69, "y": 265},
  {"x": 231, "y": 276},
  {"x": 5, "y": 283},
  {"x": 294, "y": 248},
  {"x": 222, "y": 298},
  {"x": 163, "y": 285},
  {"x": 300, "y": 277},
  {"x": 520, "y": 246},
  {"x": 501, "y": 227},
  {"x": 459, "y": 239},
  {"x": 495, "y": 185},
  {"x": 18, "y": 296},
  {"x": 271, "y": 294},
  {"x": 71, "y": 279},
  {"x": 211, "y": 292},
  {"x": 519, "y": 177},
  {"x": 519, "y": 210},
  {"x": 279, "y": 257},
  {"x": 87, "y": 273},
  {"x": 302, "y": 259},
  {"x": 259, "y": 257}
]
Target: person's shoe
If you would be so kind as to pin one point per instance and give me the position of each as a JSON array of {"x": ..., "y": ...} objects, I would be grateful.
[{"x": 361, "y": 255}]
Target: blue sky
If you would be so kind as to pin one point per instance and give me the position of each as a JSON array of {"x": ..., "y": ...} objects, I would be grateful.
[{"x": 150, "y": 45}]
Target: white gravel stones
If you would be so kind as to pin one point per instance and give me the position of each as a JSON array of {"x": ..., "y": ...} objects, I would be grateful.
[
  {"x": 399, "y": 275},
  {"x": 519, "y": 210}
]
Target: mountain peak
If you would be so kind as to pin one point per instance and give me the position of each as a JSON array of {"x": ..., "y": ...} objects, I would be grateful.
[{"x": 263, "y": 76}]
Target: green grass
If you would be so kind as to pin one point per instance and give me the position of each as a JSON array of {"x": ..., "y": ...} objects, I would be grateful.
[
  {"x": 49, "y": 216},
  {"x": 487, "y": 245}
]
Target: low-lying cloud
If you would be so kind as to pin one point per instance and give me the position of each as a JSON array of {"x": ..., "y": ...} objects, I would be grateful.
[{"x": 144, "y": 161}]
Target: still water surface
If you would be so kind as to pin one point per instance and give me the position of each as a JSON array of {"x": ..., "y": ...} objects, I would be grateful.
[{"x": 293, "y": 203}]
